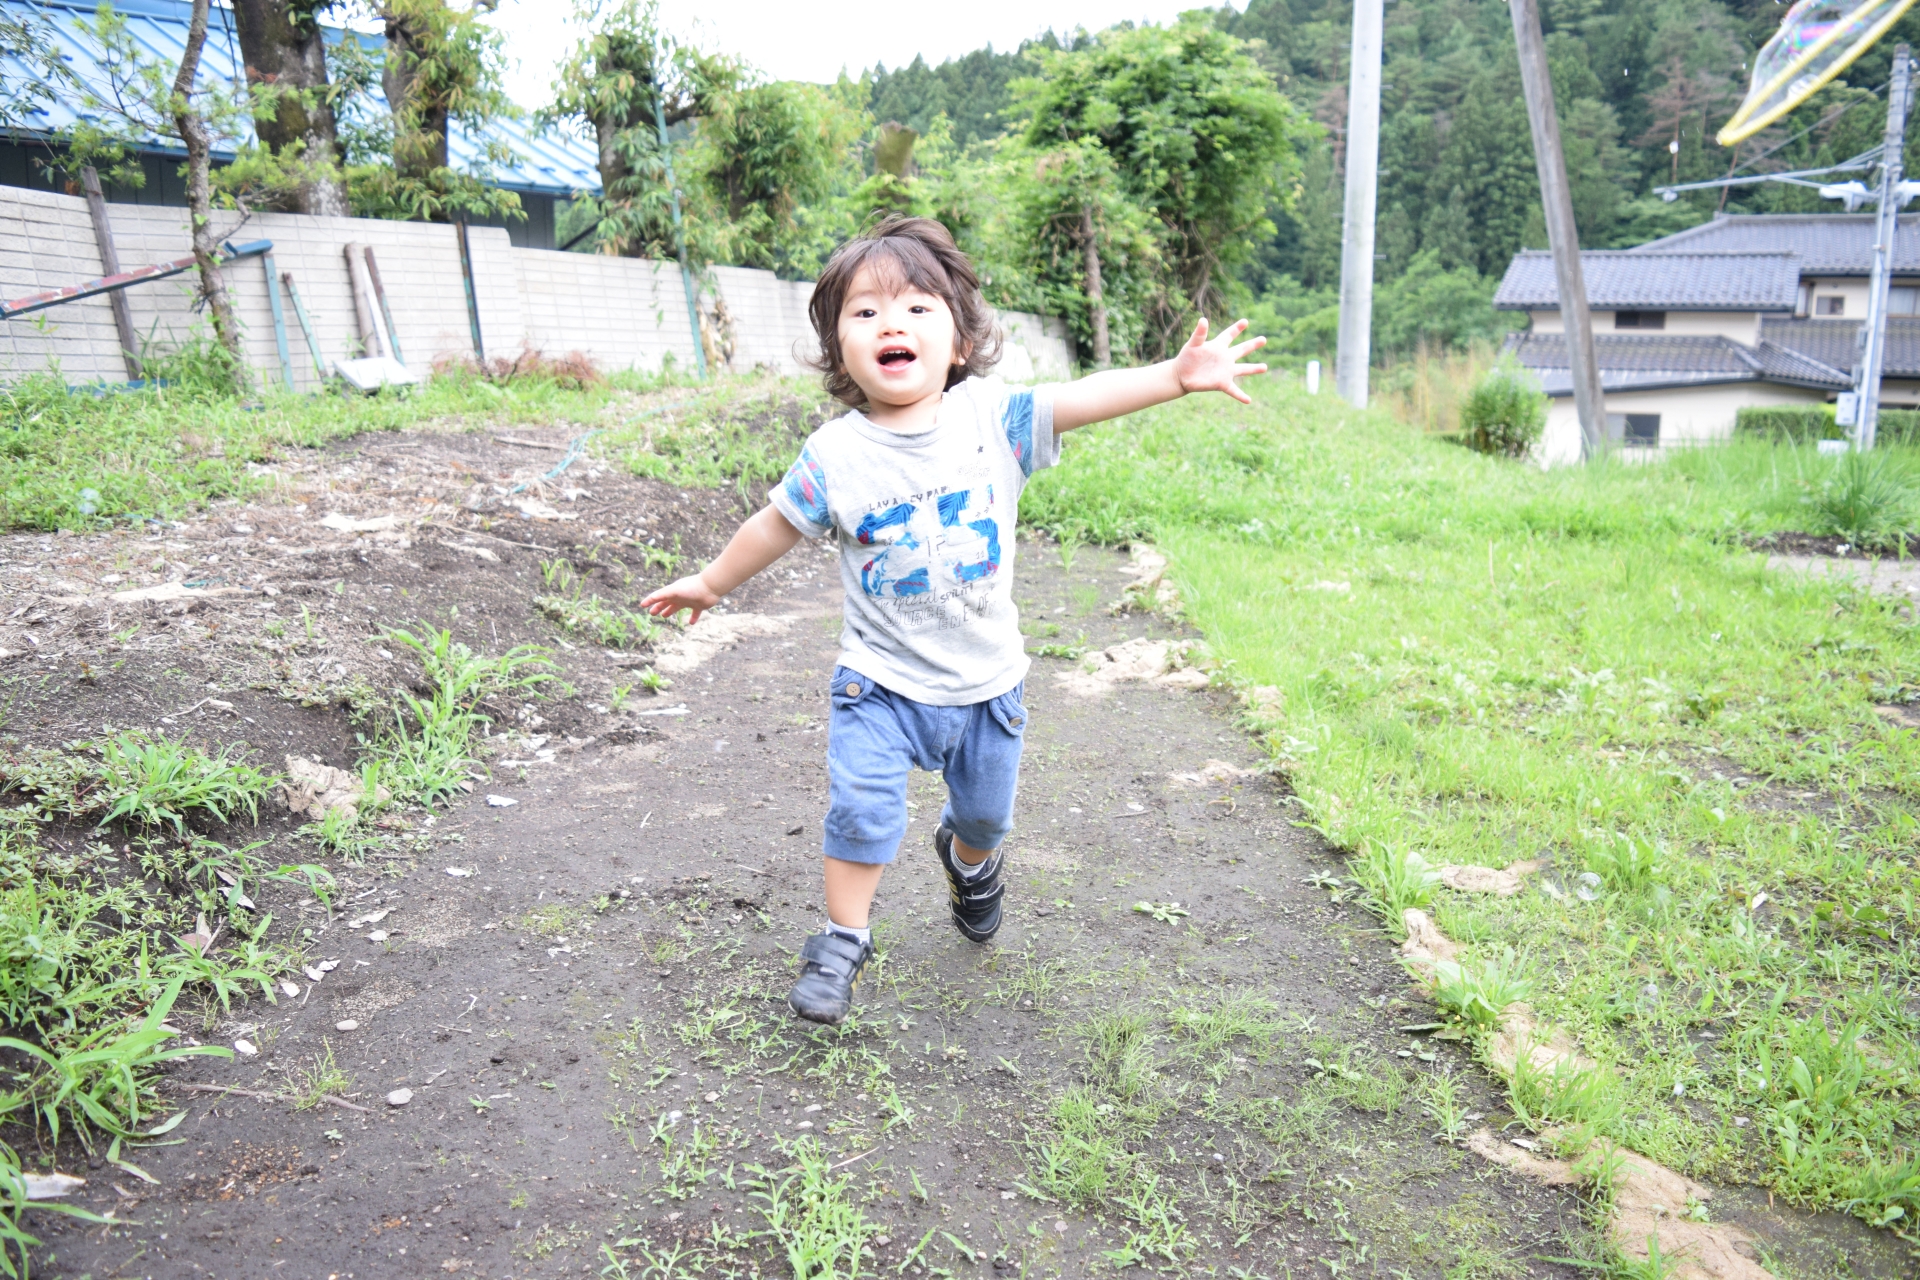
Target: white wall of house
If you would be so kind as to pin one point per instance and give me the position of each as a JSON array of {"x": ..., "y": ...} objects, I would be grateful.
[
  {"x": 1741, "y": 326},
  {"x": 1688, "y": 415},
  {"x": 623, "y": 312}
]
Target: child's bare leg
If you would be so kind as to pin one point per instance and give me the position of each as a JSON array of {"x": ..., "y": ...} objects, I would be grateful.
[
  {"x": 968, "y": 854},
  {"x": 850, "y": 890}
]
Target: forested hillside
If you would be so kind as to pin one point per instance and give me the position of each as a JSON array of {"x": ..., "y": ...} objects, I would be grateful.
[{"x": 1458, "y": 194}]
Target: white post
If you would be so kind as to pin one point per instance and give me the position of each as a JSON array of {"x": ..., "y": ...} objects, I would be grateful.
[
  {"x": 1313, "y": 377},
  {"x": 1363, "y": 179},
  {"x": 1873, "y": 333}
]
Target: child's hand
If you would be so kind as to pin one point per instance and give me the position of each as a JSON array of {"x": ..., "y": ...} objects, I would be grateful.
[
  {"x": 1209, "y": 366},
  {"x": 688, "y": 593}
]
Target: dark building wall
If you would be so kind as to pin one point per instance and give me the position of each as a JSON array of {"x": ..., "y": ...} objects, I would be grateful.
[
  {"x": 535, "y": 231},
  {"x": 24, "y": 164}
]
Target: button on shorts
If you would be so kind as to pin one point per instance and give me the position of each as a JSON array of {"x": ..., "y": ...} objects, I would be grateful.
[{"x": 875, "y": 736}]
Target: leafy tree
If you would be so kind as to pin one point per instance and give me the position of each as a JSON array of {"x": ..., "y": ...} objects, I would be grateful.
[
  {"x": 1197, "y": 134},
  {"x": 141, "y": 98},
  {"x": 27, "y": 39},
  {"x": 749, "y": 154},
  {"x": 286, "y": 66},
  {"x": 761, "y": 151},
  {"x": 441, "y": 66},
  {"x": 1083, "y": 248},
  {"x": 1431, "y": 304},
  {"x": 971, "y": 91}
]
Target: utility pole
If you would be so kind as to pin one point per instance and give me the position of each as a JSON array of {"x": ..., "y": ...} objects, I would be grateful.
[
  {"x": 1354, "y": 353},
  {"x": 1873, "y": 333},
  {"x": 679, "y": 235},
  {"x": 1556, "y": 201}
]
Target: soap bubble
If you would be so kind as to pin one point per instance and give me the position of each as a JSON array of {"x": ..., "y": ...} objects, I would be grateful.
[
  {"x": 89, "y": 501},
  {"x": 1587, "y": 887}
]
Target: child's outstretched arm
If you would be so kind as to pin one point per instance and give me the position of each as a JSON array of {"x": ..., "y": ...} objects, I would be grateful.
[
  {"x": 764, "y": 538},
  {"x": 1200, "y": 366}
]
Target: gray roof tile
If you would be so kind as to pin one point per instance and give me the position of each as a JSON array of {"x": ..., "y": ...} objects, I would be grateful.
[
  {"x": 1838, "y": 244},
  {"x": 1630, "y": 280},
  {"x": 1834, "y": 342},
  {"x": 1640, "y": 363}
]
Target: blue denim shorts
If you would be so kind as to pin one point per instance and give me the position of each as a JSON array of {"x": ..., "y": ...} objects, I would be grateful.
[{"x": 876, "y": 736}]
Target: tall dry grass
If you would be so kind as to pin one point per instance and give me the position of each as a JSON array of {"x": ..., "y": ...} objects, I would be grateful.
[{"x": 1427, "y": 388}]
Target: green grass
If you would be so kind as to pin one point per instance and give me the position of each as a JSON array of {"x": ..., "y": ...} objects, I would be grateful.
[
  {"x": 1479, "y": 662},
  {"x": 77, "y": 460}
]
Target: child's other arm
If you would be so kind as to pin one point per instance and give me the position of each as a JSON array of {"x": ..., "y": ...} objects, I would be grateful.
[
  {"x": 1200, "y": 366},
  {"x": 764, "y": 538}
]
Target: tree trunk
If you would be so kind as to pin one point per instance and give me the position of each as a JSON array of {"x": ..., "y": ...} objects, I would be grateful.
[
  {"x": 192, "y": 128},
  {"x": 283, "y": 48},
  {"x": 419, "y": 118},
  {"x": 1096, "y": 291}
]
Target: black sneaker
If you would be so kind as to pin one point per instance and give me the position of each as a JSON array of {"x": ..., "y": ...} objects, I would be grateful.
[
  {"x": 975, "y": 901},
  {"x": 830, "y": 965}
]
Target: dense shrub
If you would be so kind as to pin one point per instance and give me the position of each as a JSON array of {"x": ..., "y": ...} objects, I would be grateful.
[
  {"x": 1800, "y": 423},
  {"x": 1506, "y": 410}
]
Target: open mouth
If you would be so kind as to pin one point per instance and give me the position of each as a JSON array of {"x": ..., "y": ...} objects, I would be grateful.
[{"x": 896, "y": 358}]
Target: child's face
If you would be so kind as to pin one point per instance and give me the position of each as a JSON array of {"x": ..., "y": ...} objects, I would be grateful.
[{"x": 896, "y": 342}]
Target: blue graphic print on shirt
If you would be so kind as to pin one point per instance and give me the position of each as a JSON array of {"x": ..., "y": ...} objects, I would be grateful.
[
  {"x": 806, "y": 487},
  {"x": 1017, "y": 420},
  {"x": 971, "y": 543},
  {"x": 963, "y": 549}
]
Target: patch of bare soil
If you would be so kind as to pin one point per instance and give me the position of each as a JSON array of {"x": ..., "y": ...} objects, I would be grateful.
[{"x": 581, "y": 993}]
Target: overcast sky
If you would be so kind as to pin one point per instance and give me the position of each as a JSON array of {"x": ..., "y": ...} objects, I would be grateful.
[{"x": 815, "y": 39}]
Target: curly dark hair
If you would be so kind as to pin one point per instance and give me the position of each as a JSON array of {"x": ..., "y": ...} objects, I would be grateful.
[{"x": 908, "y": 253}]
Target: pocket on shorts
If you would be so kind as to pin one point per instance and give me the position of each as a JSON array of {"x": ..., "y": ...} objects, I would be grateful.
[
  {"x": 1009, "y": 710},
  {"x": 849, "y": 688}
]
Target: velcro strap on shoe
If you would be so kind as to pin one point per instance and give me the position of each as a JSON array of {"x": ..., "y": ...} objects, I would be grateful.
[{"x": 838, "y": 955}]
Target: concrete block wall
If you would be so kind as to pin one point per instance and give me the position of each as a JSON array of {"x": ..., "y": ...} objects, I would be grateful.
[{"x": 623, "y": 312}]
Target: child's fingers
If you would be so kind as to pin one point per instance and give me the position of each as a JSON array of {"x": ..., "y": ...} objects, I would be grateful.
[
  {"x": 1252, "y": 344},
  {"x": 1199, "y": 337},
  {"x": 1233, "y": 389},
  {"x": 1245, "y": 370}
]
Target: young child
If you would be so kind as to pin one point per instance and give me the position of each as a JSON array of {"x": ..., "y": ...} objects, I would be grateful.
[{"x": 919, "y": 484}]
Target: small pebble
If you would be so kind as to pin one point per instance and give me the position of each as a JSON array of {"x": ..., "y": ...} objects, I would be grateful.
[
  {"x": 346, "y": 1024},
  {"x": 502, "y": 802},
  {"x": 713, "y": 1097},
  {"x": 400, "y": 1097},
  {"x": 245, "y": 1048},
  {"x": 378, "y": 935},
  {"x": 289, "y": 988}
]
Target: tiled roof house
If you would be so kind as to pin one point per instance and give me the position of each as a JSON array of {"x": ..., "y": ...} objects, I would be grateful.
[{"x": 1748, "y": 309}]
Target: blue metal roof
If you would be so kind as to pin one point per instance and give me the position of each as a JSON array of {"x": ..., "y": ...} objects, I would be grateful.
[{"x": 550, "y": 161}]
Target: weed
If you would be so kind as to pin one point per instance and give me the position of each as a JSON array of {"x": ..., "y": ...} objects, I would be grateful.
[
  {"x": 1440, "y": 1099},
  {"x": 1624, "y": 862},
  {"x": 652, "y": 681},
  {"x": 324, "y": 1079},
  {"x": 811, "y": 1216},
  {"x": 1395, "y": 879},
  {"x": 621, "y": 692},
  {"x": 148, "y": 781},
  {"x": 1866, "y": 499},
  {"x": 1478, "y": 992},
  {"x": 604, "y": 624},
  {"x": 421, "y": 747}
]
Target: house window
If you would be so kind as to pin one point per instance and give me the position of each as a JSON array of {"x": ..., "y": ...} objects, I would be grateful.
[
  {"x": 1639, "y": 319},
  {"x": 1635, "y": 430},
  {"x": 1903, "y": 300},
  {"x": 1829, "y": 306}
]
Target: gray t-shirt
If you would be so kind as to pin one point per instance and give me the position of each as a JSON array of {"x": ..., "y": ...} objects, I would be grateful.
[{"x": 925, "y": 524}]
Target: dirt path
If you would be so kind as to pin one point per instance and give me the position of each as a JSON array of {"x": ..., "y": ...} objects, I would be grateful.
[{"x": 1185, "y": 1049}]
